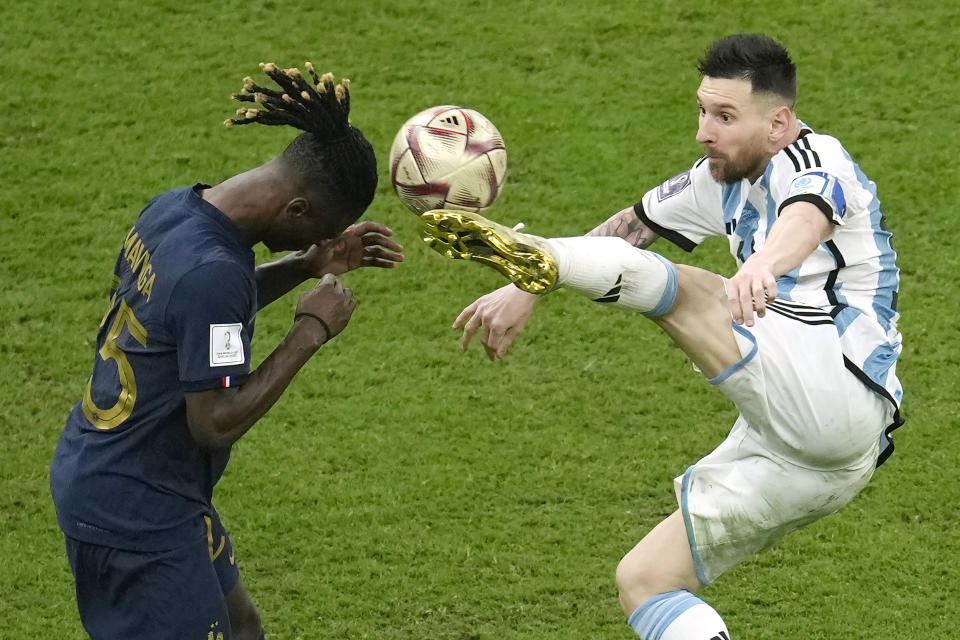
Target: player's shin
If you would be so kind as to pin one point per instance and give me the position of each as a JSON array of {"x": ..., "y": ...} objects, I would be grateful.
[
  {"x": 677, "y": 615},
  {"x": 611, "y": 271}
]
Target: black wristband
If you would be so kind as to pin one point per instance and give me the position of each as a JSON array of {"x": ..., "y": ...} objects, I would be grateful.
[{"x": 322, "y": 322}]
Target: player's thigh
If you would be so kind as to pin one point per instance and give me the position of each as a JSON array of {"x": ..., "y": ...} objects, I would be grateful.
[
  {"x": 740, "y": 499},
  {"x": 244, "y": 617},
  {"x": 166, "y": 595},
  {"x": 699, "y": 321}
]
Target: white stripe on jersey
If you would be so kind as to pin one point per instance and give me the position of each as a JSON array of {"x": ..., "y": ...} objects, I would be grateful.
[{"x": 852, "y": 275}]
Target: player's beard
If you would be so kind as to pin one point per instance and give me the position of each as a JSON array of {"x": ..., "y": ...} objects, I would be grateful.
[{"x": 750, "y": 163}]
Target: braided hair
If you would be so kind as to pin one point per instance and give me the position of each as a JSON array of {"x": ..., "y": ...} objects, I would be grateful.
[{"x": 330, "y": 154}]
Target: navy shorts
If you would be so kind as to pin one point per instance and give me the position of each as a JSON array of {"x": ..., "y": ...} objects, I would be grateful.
[{"x": 175, "y": 595}]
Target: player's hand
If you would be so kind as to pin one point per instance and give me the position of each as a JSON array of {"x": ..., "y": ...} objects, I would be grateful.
[
  {"x": 501, "y": 315},
  {"x": 750, "y": 289},
  {"x": 330, "y": 304},
  {"x": 361, "y": 245}
]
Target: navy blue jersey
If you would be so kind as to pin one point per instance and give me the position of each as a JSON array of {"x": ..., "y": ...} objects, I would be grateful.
[{"x": 126, "y": 472}]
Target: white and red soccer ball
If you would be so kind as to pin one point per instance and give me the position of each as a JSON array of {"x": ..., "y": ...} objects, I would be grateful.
[{"x": 448, "y": 158}]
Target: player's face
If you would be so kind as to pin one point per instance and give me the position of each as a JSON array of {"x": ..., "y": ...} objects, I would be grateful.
[
  {"x": 300, "y": 227},
  {"x": 733, "y": 129}
]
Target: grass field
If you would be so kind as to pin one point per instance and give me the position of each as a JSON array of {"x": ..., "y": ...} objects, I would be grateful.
[{"x": 401, "y": 488}]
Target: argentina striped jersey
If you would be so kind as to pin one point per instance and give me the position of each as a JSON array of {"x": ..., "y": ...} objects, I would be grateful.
[{"x": 852, "y": 275}]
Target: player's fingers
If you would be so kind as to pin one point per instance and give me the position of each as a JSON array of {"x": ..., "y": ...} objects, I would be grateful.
[
  {"x": 465, "y": 314},
  {"x": 380, "y": 257},
  {"x": 494, "y": 338},
  {"x": 770, "y": 288},
  {"x": 369, "y": 226},
  {"x": 371, "y": 240},
  {"x": 366, "y": 227},
  {"x": 506, "y": 341},
  {"x": 733, "y": 301},
  {"x": 469, "y": 329},
  {"x": 759, "y": 299},
  {"x": 484, "y": 333}
]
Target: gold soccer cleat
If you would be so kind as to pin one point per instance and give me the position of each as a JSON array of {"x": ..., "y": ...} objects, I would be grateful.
[{"x": 463, "y": 235}]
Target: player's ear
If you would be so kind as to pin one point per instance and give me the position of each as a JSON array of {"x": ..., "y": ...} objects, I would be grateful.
[
  {"x": 780, "y": 119},
  {"x": 297, "y": 208}
]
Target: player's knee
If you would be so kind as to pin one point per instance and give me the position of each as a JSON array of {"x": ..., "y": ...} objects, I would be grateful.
[
  {"x": 635, "y": 578},
  {"x": 641, "y": 575}
]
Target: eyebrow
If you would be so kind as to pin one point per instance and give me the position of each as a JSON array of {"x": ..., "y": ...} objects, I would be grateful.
[{"x": 722, "y": 106}]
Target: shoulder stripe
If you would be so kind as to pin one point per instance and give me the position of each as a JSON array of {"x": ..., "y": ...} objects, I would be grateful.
[
  {"x": 803, "y": 154},
  {"x": 796, "y": 165},
  {"x": 816, "y": 157}
]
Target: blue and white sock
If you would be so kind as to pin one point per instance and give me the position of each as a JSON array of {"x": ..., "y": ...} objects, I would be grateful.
[
  {"x": 677, "y": 615},
  {"x": 610, "y": 270}
]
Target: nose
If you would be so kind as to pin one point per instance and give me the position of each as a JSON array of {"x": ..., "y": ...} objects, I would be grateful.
[{"x": 704, "y": 132}]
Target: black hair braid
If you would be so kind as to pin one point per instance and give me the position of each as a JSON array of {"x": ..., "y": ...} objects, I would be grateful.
[{"x": 331, "y": 153}]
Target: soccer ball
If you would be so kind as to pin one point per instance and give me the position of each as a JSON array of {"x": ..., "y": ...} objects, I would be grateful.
[{"x": 448, "y": 158}]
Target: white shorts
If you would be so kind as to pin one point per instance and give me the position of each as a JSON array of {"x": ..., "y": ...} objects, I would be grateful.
[{"x": 805, "y": 443}]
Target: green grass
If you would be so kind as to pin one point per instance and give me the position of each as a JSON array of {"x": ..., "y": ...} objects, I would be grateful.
[{"x": 401, "y": 488}]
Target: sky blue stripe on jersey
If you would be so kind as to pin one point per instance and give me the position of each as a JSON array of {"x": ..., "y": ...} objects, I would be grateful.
[
  {"x": 878, "y": 363},
  {"x": 845, "y": 318},
  {"x": 732, "y": 369},
  {"x": 888, "y": 281},
  {"x": 747, "y": 228},
  {"x": 786, "y": 283},
  {"x": 688, "y": 525},
  {"x": 771, "y": 203},
  {"x": 731, "y": 201}
]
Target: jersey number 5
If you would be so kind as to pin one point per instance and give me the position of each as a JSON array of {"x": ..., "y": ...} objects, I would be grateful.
[{"x": 118, "y": 413}]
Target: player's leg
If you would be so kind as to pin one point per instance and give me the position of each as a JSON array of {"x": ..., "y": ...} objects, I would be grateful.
[
  {"x": 687, "y": 302},
  {"x": 657, "y": 581},
  {"x": 244, "y": 617},
  {"x": 790, "y": 459},
  {"x": 168, "y": 595}
]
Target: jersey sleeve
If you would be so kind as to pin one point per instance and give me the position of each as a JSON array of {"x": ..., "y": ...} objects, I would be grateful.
[
  {"x": 818, "y": 172},
  {"x": 686, "y": 209},
  {"x": 209, "y": 315}
]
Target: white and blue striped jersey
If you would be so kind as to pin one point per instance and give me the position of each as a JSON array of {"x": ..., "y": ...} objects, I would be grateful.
[{"x": 852, "y": 274}]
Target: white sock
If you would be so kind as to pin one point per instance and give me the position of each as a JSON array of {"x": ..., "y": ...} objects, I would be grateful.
[
  {"x": 678, "y": 615},
  {"x": 610, "y": 270}
]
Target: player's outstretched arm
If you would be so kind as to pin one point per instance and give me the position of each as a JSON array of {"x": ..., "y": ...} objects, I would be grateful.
[
  {"x": 500, "y": 316},
  {"x": 798, "y": 230},
  {"x": 625, "y": 224},
  {"x": 219, "y": 417},
  {"x": 367, "y": 244}
]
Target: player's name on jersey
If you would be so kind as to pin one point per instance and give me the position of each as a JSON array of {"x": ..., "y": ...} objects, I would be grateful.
[{"x": 139, "y": 258}]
